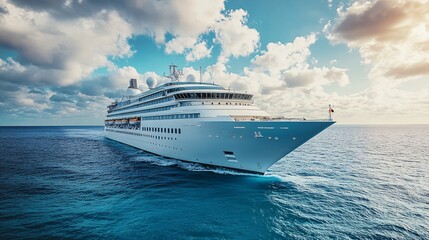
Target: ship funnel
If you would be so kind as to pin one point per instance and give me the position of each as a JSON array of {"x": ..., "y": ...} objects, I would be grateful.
[{"x": 133, "y": 83}]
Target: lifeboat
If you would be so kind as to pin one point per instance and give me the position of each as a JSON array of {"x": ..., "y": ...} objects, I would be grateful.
[{"x": 134, "y": 120}]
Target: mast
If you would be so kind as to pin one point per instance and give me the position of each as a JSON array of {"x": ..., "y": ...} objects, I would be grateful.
[{"x": 174, "y": 73}]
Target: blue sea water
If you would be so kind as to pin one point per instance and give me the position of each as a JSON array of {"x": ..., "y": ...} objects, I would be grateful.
[{"x": 349, "y": 182}]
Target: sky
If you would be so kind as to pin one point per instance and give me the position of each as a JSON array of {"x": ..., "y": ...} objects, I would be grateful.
[{"x": 63, "y": 62}]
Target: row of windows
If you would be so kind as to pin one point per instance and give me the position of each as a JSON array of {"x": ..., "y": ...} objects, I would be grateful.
[
  {"x": 184, "y": 83},
  {"x": 175, "y": 116},
  {"x": 143, "y": 135},
  {"x": 146, "y": 104},
  {"x": 128, "y": 102},
  {"x": 155, "y": 95},
  {"x": 162, "y": 130},
  {"x": 126, "y": 123},
  {"x": 212, "y": 103},
  {"x": 143, "y": 111},
  {"x": 136, "y": 127},
  {"x": 192, "y": 87},
  {"x": 209, "y": 95},
  {"x": 129, "y": 133}
]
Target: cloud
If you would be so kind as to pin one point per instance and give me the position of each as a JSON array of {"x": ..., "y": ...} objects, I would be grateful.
[
  {"x": 198, "y": 51},
  {"x": 288, "y": 64},
  {"x": 61, "y": 52},
  {"x": 279, "y": 56},
  {"x": 157, "y": 18},
  {"x": 231, "y": 32},
  {"x": 321, "y": 76},
  {"x": 392, "y": 38},
  {"x": 194, "y": 50},
  {"x": 388, "y": 33},
  {"x": 57, "y": 45},
  {"x": 409, "y": 70},
  {"x": 61, "y": 98},
  {"x": 283, "y": 79},
  {"x": 236, "y": 38}
]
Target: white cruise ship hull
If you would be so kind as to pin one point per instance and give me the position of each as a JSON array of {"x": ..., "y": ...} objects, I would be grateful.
[{"x": 251, "y": 146}]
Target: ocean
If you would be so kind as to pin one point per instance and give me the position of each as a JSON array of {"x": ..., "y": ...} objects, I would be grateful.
[{"x": 349, "y": 182}]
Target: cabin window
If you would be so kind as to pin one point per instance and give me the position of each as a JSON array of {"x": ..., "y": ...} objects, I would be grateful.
[{"x": 180, "y": 132}]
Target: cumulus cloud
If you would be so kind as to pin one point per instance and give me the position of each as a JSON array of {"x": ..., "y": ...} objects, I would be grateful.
[
  {"x": 157, "y": 18},
  {"x": 283, "y": 80},
  {"x": 231, "y": 32},
  {"x": 392, "y": 38},
  {"x": 57, "y": 46},
  {"x": 320, "y": 76},
  {"x": 61, "y": 52},
  {"x": 279, "y": 56},
  {"x": 390, "y": 35},
  {"x": 198, "y": 51},
  {"x": 288, "y": 64},
  {"x": 236, "y": 37}
]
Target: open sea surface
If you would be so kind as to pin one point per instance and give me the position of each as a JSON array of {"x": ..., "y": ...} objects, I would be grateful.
[{"x": 349, "y": 182}]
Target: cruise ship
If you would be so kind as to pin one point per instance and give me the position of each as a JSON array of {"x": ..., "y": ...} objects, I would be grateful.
[{"x": 200, "y": 122}]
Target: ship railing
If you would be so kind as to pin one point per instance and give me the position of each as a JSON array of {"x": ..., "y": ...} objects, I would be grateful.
[{"x": 268, "y": 119}]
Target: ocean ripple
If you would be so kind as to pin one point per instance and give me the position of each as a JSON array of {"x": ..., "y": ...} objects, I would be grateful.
[{"x": 349, "y": 182}]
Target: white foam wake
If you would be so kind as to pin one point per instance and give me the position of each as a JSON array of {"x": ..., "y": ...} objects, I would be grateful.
[{"x": 192, "y": 167}]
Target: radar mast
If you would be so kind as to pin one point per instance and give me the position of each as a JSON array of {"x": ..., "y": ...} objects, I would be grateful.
[{"x": 174, "y": 73}]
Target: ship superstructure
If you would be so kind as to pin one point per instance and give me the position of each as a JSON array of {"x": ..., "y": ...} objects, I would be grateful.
[{"x": 205, "y": 123}]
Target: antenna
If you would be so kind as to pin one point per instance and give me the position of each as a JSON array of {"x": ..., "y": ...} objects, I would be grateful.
[
  {"x": 201, "y": 75},
  {"x": 174, "y": 74}
]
